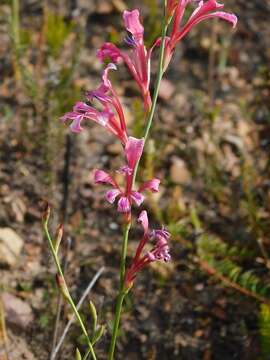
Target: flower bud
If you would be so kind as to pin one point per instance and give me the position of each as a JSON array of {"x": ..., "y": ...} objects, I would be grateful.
[
  {"x": 46, "y": 213},
  {"x": 59, "y": 236},
  {"x": 62, "y": 286}
]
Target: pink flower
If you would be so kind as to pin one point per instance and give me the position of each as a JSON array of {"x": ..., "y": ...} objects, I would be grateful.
[
  {"x": 205, "y": 10},
  {"x": 160, "y": 251},
  {"x": 110, "y": 117},
  {"x": 133, "y": 152},
  {"x": 138, "y": 62}
]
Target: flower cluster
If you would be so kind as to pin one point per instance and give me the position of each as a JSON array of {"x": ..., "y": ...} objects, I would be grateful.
[
  {"x": 160, "y": 251},
  {"x": 110, "y": 115},
  {"x": 204, "y": 10},
  {"x": 133, "y": 151}
]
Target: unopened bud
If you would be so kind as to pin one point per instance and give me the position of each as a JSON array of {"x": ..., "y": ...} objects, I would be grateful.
[
  {"x": 46, "y": 213},
  {"x": 59, "y": 236},
  {"x": 93, "y": 312},
  {"x": 78, "y": 355},
  {"x": 62, "y": 286}
]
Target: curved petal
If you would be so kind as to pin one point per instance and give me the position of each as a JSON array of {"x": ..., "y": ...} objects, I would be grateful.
[
  {"x": 101, "y": 177},
  {"x": 82, "y": 107},
  {"x": 101, "y": 92},
  {"x": 133, "y": 24},
  {"x": 105, "y": 74},
  {"x": 231, "y": 18},
  {"x": 205, "y": 7},
  {"x": 123, "y": 205},
  {"x": 137, "y": 197},
  {"x": 143, "y": 220},
  {"x": 75, "y": 126},
  {"x": 152, "y": 185},
  {"x": 111, "y": 195},
  {"x": 133, "y": 151}
]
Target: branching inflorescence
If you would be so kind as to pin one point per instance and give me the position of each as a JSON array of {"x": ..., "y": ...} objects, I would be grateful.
[{"x": 110, "y": 115}]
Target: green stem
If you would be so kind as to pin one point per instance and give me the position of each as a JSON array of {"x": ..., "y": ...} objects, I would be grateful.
[
  {"x": 68, "y": 296},
  {"x": 122, "y": 292}
]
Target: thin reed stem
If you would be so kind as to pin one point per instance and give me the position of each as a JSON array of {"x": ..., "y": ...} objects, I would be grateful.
[{"x": 66, "y": 291}]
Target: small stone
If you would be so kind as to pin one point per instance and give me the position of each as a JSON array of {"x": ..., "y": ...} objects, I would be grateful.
[
  {"x": 179, "y": 172},
  {"x": 10, "y": 247},
  {"x": 17, "y": 312},
  {"x": 166, "y": 90},
  {"x": 115, "y": 148},
  {"x": 104, "y": 7}
]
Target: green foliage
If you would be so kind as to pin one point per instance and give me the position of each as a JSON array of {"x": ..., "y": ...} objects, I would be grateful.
[
  {"x": 44, "y": 320},
  {"x": 138, "y": 116},
  {"x": 264, "y": 330},
  {"x": 57, "y": 32},
  {"x": 153, "y": 23},
  {"x": 223, "y": 258}
]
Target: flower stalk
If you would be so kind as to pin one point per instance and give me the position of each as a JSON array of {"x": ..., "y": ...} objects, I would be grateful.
[{"x": 62, "y": 283}]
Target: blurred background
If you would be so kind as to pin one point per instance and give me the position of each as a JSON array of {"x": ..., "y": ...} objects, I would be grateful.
[{"x": 210, "y": 147}]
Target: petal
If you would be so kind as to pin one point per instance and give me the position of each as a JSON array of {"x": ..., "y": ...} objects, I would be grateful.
[
  {"x": 101, "y": 177},
  {"x": 150, "y": 256},
  {"x": 105, "y": 74},
  {"x": 137, "y": 197},
  {"x": 109, "y": 50},
  {"x": 152, "y": 185},
  {"x": 81, "y": 107},
  {"x": 143, "y": 220},
  {"x": 231, "y": 18},
  {"x": 101, "y": 92},
  {"x": 132, "y": 23},
  {"x": 111, "y": 195},
  {"x": 125, "y": 170},
  {"x": 71, "y": 115},
  {"x": 204, "y": 8},
  {"x": 75, "y": 126},
  {"x": 161, "y": 233},
  {"x": 123, "y": 205},
  {"x": 133, "y": 151}
]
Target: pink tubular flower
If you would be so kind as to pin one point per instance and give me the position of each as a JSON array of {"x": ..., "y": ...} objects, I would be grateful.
[
  {"x": 205, "y": 10},
  {"x": 138, "y": 62},
  {"x": 110, "y": 117},
  {"x": 160, "y": 251},
  {"x": 133, "y": 152}
]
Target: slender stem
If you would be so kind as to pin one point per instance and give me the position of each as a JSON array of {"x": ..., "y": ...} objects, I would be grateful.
[
  {"x": 68, "y": 296},
  {"x": 121, "y": 293},
  {"x": 71, "y": 320}
]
